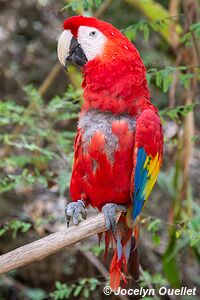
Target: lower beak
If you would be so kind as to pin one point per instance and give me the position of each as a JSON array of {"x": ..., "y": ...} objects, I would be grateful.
[{"x": 76, "y": 53}]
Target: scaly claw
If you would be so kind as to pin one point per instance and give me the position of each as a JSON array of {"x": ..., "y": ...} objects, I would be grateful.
[
  {"x": 73, "y": 210},
  {"x": 110, "y": 211}
]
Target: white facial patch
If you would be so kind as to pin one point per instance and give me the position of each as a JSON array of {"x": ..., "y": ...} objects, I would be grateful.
[
  {"x": 92, "y": 41},
  {"x": 63, "y": 46}
]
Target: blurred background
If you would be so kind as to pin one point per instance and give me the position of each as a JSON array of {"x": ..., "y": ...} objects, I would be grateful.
[{"x": 39, "y": 105}]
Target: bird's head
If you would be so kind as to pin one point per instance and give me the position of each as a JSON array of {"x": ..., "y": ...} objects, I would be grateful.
[
  {"x": 85, "y": 39},
  {"x": 114, "y": 74}
]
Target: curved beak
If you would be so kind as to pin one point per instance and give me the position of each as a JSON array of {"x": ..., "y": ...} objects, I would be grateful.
[{"x": 76, "y": 53}]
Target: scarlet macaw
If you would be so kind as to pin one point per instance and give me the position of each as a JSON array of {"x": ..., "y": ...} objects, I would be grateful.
[{"x": 119, "y": 143}]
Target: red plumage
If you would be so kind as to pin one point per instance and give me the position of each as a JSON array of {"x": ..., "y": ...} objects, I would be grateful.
[
  {"x": 106, "y": 160},
  {"x": 110, "y": 182}
]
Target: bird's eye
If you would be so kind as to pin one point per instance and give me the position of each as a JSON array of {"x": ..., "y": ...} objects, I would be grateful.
[{"x": 93, "y": 33}]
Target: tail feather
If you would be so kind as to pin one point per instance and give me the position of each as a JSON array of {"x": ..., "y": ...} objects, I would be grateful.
[
  {"x": 136, "y": 232},
  {"x": 119, "y": 247},
  {"x": 116, "y": 273},
  {"x": 127, "y": 250},
  {"x": 99, "y": 238},
  {"x": 133, "y": 262},
  {"x": 126, "y": 258},
  {"x": 108, "y": 238}
]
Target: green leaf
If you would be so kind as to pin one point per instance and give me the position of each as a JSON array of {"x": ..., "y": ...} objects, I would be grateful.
[
  {"x": 83, "y": 281},
  {"x": 186, "y": 39},
  {"x": 98, "y": 3},
  {"x": 17, "y": 225},
  {"x": 166, "y": 83},
  {"x": 62, "y": 291},
  {"x": 175, "y": 113},
  {"x": 170, "y": 266},
  {"x": 148, "y": 77},
  {"x": 158, "y": 79},
  {"x": 86, "y": 292},
  {"x": 36, "y": 294},
  {"x": 77, "y": 291},
  {"x": 75, "y": 5},
  {"x": 3, "y": 230},
  {"x": 146, "y": 33},
  {"x": 156, "y": 239},
  {"x": 185, "y": 79},
  {"x": 154, "y": 225},
  {"x": 195, "y": 27}
]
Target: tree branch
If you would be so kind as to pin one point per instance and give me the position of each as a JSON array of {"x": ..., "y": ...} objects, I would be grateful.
[{"x": 52, "y": 243}]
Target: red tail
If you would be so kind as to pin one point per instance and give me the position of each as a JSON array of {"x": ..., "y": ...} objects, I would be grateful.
[{"x": 125, "y": 257}]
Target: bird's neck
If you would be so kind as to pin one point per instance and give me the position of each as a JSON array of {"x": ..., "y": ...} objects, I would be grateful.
[{"x": 120, "y": 87}]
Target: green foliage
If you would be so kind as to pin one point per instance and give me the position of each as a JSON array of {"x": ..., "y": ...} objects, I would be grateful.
[
  {"x": 69, "y": 102},
  {"x": 40, "y": 121},
  {"x": 188, "y": 234},
  {"x": 177, "y": 112},
  {"x": 147, "y": 279},
  {"x": 186, "y": 37},
  {"x": 161, "y": 25},
  {"x": 11, "y": 113},
  {"x": 32, "y": 95},
  {"x": 154, "y": 227},
  {"x": 163, "y": 78},
  {"x": 83, "y": 287},
  {"x": 132, "y": 31},
  {"x": 36, "y": 294},
  {"x": 144, "y": 26},
  {"x": 183, "y": 233},
  {"x": 82, "y": 5},
  {"x": 15, "y": 226},
  {"x": 46, "y": 139},
  {"x": 63, "y": 291},
  {"x": 170, "y": 265}
]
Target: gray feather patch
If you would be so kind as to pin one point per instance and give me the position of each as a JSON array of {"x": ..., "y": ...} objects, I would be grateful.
[{"x": 95, "y": 121}]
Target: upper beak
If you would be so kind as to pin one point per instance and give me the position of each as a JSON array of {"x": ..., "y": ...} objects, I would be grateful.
[{"x": 76, "y": 53}]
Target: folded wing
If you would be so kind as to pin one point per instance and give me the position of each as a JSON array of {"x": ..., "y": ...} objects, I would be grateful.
[{"x": 147, "y": 158}]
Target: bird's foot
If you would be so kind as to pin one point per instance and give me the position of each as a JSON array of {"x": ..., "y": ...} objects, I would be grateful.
[
  {"x": 74, "y": 210},
  {"x": 110, "y": 212}
]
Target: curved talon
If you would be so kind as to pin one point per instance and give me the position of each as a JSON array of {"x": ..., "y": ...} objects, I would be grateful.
[
  {"x": 110, "y": 211},
  {"x": 73, "y": 210}
]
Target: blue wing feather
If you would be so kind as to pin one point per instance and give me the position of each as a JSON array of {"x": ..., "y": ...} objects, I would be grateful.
[
  {"x": 140, "y": 179},
  {"x": 146, "y": 172}
]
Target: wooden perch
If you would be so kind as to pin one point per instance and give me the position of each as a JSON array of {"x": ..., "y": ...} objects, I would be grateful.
[{"x": 52, "y": 243}]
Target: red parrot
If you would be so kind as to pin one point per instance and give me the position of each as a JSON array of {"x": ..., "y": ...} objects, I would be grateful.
[{"x": 119, "y": 144}]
